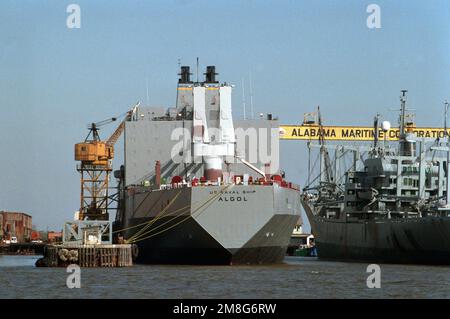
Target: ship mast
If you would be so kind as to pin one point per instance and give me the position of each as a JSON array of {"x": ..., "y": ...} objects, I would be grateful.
[
  {"x": 402, "y": 115},
  {"x": 406, "y": 145},
  {"x": 445, "y": 119},
  {"x": 447, "y": 180},
  {"x": 376, "y": 121},
  {"x": 325, "y": 166}
]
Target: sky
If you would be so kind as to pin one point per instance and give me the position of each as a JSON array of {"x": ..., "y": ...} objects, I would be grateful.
[{"x": 300, "y": 54}]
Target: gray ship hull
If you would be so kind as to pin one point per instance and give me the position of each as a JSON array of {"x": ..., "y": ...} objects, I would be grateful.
[
  {"x": 244, "y": 224},
  {"x": 423, "y": 240}
]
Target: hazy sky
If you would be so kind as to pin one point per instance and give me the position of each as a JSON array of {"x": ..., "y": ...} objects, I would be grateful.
[{"x": 55, "y": 80}]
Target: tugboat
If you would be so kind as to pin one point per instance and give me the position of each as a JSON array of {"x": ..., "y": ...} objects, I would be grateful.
[{"x": 395, "y": 208}]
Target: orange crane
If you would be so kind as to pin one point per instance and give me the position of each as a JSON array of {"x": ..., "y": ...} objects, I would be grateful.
[{"x": 95, "y": 166}]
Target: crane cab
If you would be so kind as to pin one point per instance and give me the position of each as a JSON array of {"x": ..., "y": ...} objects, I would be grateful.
[{"x": 94, "y": 153}]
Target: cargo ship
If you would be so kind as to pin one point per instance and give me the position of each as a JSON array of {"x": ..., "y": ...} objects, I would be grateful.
[
  {"x": 391, "y": 207},
  {"x": 199, "y": 187}
]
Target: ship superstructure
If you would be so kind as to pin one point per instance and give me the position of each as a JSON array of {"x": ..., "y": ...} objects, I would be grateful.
[
  {"x": 198, "y": 187},
  {"x": 392, "y": 208}
]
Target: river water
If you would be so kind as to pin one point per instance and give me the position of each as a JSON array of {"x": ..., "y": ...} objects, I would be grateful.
[{"x": 298, "y": 277}]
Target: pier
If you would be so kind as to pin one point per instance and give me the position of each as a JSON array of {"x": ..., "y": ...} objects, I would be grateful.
[
  {"x": 86, "y": 256},
  {"x": 87, "y": 244}
]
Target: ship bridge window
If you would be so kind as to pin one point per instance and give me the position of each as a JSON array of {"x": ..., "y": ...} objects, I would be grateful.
[
  {"x": 410, "y": 169},
  {"x": 393, "y": 180},
  {"x": 410, "y": 182}
]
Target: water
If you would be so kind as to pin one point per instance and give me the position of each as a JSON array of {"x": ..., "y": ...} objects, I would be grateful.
[{"x": 298, "y": 277}]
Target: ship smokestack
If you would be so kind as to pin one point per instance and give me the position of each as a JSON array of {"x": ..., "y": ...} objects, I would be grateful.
[
  {"x": 213, "y": 168},
  {"x": 158, "y": 174},
  {"x": 210, "y": 75},
  {"x": 185, "y": 75}
]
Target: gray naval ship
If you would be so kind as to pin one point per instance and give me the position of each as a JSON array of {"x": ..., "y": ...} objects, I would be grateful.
[
  {"x": 193, "y": 191},
  {"x": 394, "y": 208}
]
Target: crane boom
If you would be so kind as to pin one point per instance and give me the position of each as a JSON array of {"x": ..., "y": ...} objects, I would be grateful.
[
  {"x": 253, "y": 167},
  {"x": 115, "y": 136}
]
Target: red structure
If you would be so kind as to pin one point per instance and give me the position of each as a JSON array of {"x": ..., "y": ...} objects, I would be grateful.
[
  {"x": 15, "y": 224},
  {"x": 158, "y": 174},
  {"x": 53, "y": 236},
  {"x": 35, "y": 235}
]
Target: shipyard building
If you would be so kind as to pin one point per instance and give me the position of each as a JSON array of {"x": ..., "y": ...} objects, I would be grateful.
[{"x": 15, "y": 224}]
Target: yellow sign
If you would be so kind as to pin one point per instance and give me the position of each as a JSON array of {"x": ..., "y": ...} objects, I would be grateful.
[{"x": 351, "y": 133}]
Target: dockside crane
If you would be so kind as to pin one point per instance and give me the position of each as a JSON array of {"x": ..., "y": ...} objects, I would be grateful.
[{"x": 95, "y": 157}]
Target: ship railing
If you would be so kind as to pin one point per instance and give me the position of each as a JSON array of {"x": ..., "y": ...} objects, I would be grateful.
[
  {"x": 189, "y": 184},
  {"x": 283, "y": 183},
  {"x": 175, "y": 186}
]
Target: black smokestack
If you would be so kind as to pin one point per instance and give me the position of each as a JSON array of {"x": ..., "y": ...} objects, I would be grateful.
[
  {"x": 210, "y": 75},
  {"x": 185, "y": 75}
]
